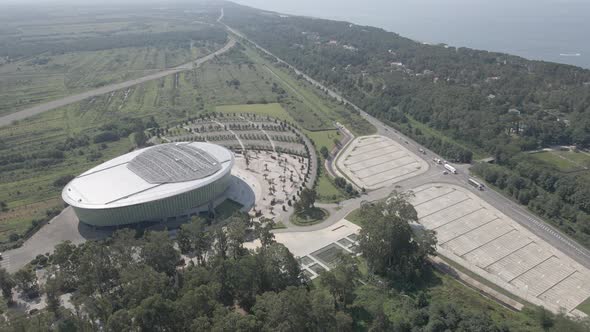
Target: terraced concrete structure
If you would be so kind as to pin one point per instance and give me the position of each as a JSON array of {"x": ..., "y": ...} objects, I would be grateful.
[
  {"x": 151, "y": 184},
  {"x": 487, "y": 242}
]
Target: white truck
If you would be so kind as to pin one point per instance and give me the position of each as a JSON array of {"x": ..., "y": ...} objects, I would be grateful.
[{"x": 451, "y": 168}]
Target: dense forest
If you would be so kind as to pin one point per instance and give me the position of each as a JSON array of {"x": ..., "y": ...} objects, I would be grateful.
[
  {"x": 456, "y": 101},
  {"x": 206, "y": 280}
]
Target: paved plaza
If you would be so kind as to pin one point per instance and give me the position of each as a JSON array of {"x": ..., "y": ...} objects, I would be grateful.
[
  {"x": 317, "y": 251},
  {"x": 274, "y": 178},
  {"x": 484, "y": 240},
  {"x": 376, "y": 161}
]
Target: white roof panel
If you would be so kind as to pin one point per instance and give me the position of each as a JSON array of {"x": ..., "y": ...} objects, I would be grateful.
[{"x": 113, "y": 184}]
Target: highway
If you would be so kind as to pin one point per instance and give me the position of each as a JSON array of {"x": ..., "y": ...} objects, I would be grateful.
[{"x": 433, "y": 175}]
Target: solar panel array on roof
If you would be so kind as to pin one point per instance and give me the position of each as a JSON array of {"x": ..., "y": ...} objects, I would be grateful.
[{"x": 170, "y": 163}]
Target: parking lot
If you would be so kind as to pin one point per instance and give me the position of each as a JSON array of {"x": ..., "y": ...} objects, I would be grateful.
[
  {"x": 376, "y": 161},
  {"x": 484, "y": 240}
]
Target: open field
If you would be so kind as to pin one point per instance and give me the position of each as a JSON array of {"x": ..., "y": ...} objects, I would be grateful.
[
  {"x": 63, "y": 52},
  {"x": 564, "y": 161},
  {"x": 25, "y": 84}
]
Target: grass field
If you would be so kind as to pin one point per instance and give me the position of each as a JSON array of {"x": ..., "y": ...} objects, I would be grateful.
[
  {"x": 354, "y": 217},
  {"x": 25, "y": 84},
  {"x": 273, "y": 110},
  {"x": 584, "y": 307},
  {"x": 58, "y": 55},
  {"x": 564, "y": 161}
]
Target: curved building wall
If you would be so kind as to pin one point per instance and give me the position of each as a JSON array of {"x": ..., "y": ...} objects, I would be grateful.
[{"x": 155, "y": 210}]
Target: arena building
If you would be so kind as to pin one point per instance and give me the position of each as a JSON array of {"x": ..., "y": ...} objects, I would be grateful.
[{"x": 157, "y": 183}]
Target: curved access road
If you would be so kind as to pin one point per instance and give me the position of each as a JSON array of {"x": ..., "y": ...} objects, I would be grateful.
[{"x": 28, "y": 112}]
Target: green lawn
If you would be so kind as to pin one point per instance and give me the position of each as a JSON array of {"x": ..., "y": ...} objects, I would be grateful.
[
  {"x": 327, "y": 191},
  {"x": 563, "y": 161},
  {"x": 354, "y": 217},
  {"x": 323, "y": 138},
  {"x": 274, "y": 110},
  {"x": 584, "y": 307}
]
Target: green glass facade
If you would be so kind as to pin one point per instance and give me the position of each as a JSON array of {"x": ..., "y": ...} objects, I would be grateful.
[{"x": 157, "y": 210}]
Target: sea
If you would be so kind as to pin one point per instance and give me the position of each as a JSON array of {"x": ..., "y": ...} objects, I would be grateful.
[{"x": 549, "y": 30}]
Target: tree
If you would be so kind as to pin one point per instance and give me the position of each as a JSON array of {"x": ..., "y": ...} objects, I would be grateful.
[
  {"x": 233, "y": 321},
  {"x": 306, "y": 200},
  {"x": 120, "y": 320},
  {"x": 52, "y": 293},
  {"x": 156, "y": 314},
  {"x": 221, "y": 244},
  {"x": 6, "y": 284},
  {"x": 159, "y": 253},
  {"x": 341, "y": 280},
  {"x": 236, "y": 233},
  {"x": 262, "y": 230},
  {"x": 324, "y": 152},
  {"x": 296, "y": 309},
  {"x": 389, "y": 244},
  {"x": 139, "y": 282},
  {"x": 26, "y": 280},
  {"x": 67, "y": 257},
  {"x": 277, "y": 268}
]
